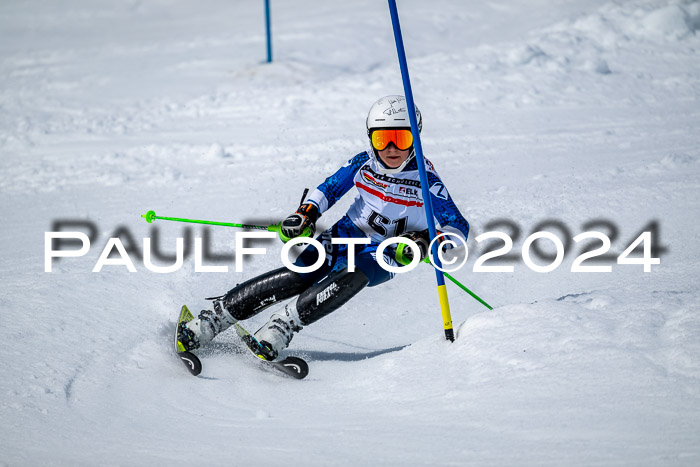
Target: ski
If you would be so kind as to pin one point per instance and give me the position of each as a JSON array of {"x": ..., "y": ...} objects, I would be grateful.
[
  {"x": 290, "y": 366},
  {"x": 188, "y": 358}
]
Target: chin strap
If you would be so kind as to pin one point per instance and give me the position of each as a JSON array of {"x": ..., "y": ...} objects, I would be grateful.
[{"x": 384, "y": 169}]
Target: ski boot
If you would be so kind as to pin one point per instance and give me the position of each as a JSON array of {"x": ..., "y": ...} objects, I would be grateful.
[
  {"x": 186, "y": 339},
  {"x": 277, "y": 333},
  {"x": 192, "y": 334}
]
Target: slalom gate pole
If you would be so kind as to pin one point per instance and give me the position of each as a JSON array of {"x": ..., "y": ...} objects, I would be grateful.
[
  {"x": 150, "y": 216},
  {"x": 442, "y": 290},
  {"x": 268, "y": 34}
]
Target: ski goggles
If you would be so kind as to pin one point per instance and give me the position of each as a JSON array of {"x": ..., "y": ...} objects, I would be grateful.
[{"x": 402, "y": 139}]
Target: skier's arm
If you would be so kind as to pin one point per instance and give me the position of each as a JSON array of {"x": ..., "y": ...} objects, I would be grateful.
[
  {"x": 446, "y": 212},
  {"x": 335, "y": 186}
]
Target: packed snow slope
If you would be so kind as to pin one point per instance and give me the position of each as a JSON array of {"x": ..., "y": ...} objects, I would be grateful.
[{"x": 581, "y": 113}]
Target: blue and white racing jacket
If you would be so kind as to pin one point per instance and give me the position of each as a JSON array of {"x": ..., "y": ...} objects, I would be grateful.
[{"x": 388, "y": 205}]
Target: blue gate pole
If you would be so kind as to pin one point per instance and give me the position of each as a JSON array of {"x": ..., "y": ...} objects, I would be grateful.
[
  {"x": 442, "y": 290},
  {"x": 267, "y": 31}
]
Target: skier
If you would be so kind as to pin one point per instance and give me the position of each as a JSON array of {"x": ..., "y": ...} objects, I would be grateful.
[{"x": 389, "y": 203}]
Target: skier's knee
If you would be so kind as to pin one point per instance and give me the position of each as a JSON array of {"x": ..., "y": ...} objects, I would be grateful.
[{"x": 329, "y": 295}]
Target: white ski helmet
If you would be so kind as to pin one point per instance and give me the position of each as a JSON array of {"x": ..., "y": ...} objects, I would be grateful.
[{"x": 391, "y": 112}]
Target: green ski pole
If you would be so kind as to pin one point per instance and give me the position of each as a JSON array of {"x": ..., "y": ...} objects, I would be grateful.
[
  {"x": 402, "y": 259},
  {"x": 463, "y": 287},
  {"x": 150, "y": 216}
]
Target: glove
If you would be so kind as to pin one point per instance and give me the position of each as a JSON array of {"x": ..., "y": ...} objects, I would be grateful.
[
  {"x": 300, "y": 224},
  {"x": 404, "y": 253}
]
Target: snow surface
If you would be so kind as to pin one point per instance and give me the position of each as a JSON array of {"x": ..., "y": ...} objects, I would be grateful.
[{"x": 533, "y": 110}]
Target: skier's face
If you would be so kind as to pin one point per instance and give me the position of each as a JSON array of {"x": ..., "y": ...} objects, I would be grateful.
[{"x": 392, "y": 156}]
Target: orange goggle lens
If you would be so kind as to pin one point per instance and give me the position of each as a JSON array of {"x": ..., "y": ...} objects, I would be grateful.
[{"x": 402, "y": 139}]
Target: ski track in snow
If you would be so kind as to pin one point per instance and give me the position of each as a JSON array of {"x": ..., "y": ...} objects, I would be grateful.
[{"x": 533, "y": 110}]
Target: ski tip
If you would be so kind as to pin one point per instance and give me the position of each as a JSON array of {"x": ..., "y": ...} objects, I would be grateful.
[
  {"x": 191, "y": 362},
  {"x": 294, "y": 367}
]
